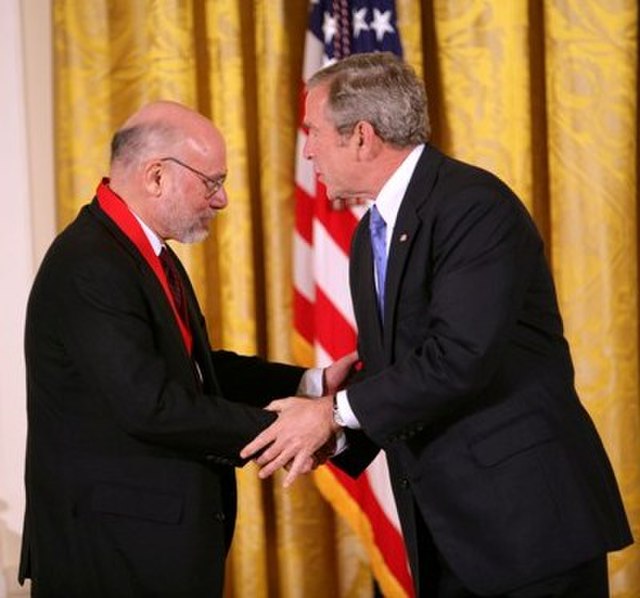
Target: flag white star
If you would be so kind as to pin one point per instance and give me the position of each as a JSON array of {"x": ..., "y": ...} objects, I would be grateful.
[
  {"x": 381, "y": 24},
  {"x": 359, "y": 21},
  {"x": 329, "y": 27}
]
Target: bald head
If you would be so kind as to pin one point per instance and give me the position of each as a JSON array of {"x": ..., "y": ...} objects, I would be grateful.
[
  {"x": 159, "y": 128},
  {"x": 165, "y": 159},
  {"x": 164, "y": 110}
]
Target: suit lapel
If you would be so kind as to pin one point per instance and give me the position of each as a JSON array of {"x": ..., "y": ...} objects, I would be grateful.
[
  {"x": 201, "y": 347},
  {"x": 149, "y": 279},
  {"x": 405, "y": 232},
  {"x": 200, "y": 358},
  {"x": 404, "y": 235}
]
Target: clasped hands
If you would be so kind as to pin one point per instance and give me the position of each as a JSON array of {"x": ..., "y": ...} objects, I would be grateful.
[{"x": 304, "y": 434}]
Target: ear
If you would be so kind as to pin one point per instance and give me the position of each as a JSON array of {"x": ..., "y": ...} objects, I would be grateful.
[
  {"x": 367, "y": 141},
  {"x": 153, "y": 175}
]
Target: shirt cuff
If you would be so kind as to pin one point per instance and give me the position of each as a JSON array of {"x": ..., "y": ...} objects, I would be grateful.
[
  {"x": 346, "y": 413},
  {"x": 311, "y": 384},
  {"x": 342, "y": 444}
]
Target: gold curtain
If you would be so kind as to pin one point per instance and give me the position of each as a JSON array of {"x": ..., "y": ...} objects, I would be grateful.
[{"x": 542, "y": 92}]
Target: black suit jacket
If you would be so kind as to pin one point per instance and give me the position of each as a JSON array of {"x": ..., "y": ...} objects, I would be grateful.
[
  {"x": 129, "y": 477},
  {"x": 468, "y": 386}
]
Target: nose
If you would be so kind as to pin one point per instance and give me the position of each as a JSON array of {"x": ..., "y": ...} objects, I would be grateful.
[{"x": 219, "y": 199}]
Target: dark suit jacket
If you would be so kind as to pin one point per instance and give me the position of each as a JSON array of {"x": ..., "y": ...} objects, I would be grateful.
[
  {"x": 469, "y": 388},
  {"x": 129, "y": 477}
]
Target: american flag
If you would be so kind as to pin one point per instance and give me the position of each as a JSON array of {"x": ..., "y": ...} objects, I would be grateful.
[{"x": 324, "y": 325}]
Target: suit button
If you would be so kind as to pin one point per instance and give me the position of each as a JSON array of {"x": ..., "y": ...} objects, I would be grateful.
[
  {"x": 219, "y": 517},
  {"x": 404, "y": 483}
]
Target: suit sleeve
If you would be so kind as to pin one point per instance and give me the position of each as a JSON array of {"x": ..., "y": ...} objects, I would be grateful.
[
  {"x": 253, "y": 380},
  {"x": 247, "y": 379}
]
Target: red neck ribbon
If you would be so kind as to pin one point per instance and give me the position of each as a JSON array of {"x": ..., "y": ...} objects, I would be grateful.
[{"x": 114, "y": 207}]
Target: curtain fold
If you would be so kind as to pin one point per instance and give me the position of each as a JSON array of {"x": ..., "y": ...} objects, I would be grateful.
[
  {"x": 81, "y": 45},
  {"x": 544, "y": 94},
  {"x": 483, "y": 54},
  {"x": 592, "y": 65}
]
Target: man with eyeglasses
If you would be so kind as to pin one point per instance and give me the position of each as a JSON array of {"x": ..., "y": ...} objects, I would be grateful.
[{"x": 135, "y": 423}]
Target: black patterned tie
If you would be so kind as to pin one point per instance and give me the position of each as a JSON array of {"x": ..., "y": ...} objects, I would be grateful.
[{"x": 175, "y": 283}]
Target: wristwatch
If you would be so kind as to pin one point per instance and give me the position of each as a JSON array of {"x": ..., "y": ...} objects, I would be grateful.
[{"x": 337, "y": 418}]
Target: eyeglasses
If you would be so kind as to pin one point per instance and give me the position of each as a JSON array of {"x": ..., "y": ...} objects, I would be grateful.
[{"x": 212, "y": 185}]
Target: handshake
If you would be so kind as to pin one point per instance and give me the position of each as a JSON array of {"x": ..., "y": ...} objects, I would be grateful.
[{"x": 305, "y": 433}]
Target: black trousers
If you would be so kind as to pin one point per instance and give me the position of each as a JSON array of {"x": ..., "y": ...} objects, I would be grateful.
[{"x": 588, "y": 580}]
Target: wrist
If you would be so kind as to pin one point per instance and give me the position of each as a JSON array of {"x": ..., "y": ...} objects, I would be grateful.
[{"x": 338, "y": 421}]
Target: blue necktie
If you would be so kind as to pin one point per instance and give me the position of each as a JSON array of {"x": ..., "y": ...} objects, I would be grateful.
[{"x": 378, "y": 230}]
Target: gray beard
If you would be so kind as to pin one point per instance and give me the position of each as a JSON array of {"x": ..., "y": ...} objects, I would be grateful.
[{"x": 192, "y": 236}]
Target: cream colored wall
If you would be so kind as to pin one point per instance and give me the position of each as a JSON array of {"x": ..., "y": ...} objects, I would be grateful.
[
  {"x": 26, "y": 172},
  {"x": 38, "y": 57}
]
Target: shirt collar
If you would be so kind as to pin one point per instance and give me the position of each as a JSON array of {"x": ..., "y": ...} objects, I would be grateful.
[
  {"x": 155, "y": 241},
  {"x": 390, "y": 197}
]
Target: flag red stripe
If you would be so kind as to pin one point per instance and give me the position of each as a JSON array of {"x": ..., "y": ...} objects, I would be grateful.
[
  {"x": 304, "y": 214},
  {"x": 385, "y": 534},
  {"x": 303, "y": 316},
  {"x": 320, "y": 322},
  {"x": 339, "y": 223},
  {"x": 334, "y": 333}
]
